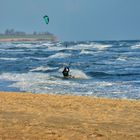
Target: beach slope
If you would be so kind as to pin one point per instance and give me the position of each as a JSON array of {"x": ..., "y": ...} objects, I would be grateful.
[{"x": 53, "y": 117}]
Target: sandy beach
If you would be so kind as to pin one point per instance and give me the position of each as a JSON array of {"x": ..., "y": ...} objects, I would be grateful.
[
  {"x": 61, "y": 117},
  {"x": 16, "y": 39},
  {"x": 21, "y": 39}
]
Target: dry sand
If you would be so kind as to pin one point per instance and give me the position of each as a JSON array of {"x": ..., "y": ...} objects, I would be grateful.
[{"x": 54, "y": 117}]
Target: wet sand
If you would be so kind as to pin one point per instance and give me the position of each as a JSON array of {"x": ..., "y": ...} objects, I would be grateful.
[{"x": 25, "y": 116}]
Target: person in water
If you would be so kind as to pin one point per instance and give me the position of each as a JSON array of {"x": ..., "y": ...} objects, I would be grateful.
[{"x": 66, "y": 72}]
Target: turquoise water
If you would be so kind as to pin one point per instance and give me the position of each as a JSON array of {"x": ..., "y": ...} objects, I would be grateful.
[{"x": 100, "y": 68}]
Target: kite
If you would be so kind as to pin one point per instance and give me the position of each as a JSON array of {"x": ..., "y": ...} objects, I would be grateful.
[{"x": 46, "y": 18}]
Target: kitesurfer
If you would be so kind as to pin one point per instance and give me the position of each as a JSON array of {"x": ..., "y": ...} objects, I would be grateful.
[{"x": 66, "y": 72}]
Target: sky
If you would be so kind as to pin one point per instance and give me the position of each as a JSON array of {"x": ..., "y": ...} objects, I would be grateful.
[{"x": 74, "y": 20}]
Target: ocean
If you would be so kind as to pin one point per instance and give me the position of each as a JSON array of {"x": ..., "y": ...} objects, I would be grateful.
[{"x": 108, "y": 69}]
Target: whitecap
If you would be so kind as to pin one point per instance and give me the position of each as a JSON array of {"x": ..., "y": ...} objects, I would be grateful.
[
  {"x": 78, "y": 74},
  {"x": 8, "y": 59},
  {"x": 60, "y": 55},
  {"x": 135, "y": 46},
  {"x": 42, "y": 68},
  {"x": 25, "y": 45},
  {"x": 122, "y": 58},
  {"x": 56, "y": 48},
  {"x": 105, "y": 84},
  {"x": 101, "y": 46},
  {"x": 86, "y": 52},
  {"x": 48, "y": 44},
  {"x": 93, "y": 46},
  {"x": 84, "y": 46}
]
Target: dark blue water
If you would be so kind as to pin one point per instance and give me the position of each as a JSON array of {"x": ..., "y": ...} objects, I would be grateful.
[{"x": 101, "y": 68}]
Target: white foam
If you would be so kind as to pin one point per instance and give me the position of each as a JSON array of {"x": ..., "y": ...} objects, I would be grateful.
[
  {"x": 91, "y": 46},
  {"x": 60, "y": 55},
  {"x": 37, "y": 58},
  {"x": 59, "y": 46},
  {"x": 56, "y": 48},
  {"x": 39, "y": 82},
  {"x": 78, "y": 74},
  {"x": 122, "y": 58},
  {"x": 22, "y": 76},
  {"x": 85, "y": 46},
  {"x": 102, "y": 47},
  {"x": 42, "y": 68},
  {"x": 82, "y": 46},
  {"x": 8, "y": 59},
  {"x": 48, "y": 44},
  {"x": 83, "y": 51},
  {"x": 135, "y": 46},
  {"x": 105, "y": 84},
  {"x": 25, "y": 45},
  {"x": 26, "y": 81},
  {"x": 30, "y": 45}
]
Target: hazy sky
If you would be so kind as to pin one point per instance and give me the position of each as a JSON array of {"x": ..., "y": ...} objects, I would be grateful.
[{"x": 74, "y": 19}]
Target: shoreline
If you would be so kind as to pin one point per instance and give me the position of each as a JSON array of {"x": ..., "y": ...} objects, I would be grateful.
[
  {"x": 28, "y": 38},
  {"x": 23, "y": 40},
  {"x": 18, "y": 39},
  {"x": 65, "y": 117}
]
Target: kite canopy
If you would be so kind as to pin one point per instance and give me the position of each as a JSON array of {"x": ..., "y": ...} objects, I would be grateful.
[{"x": 46, "y": 18}]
